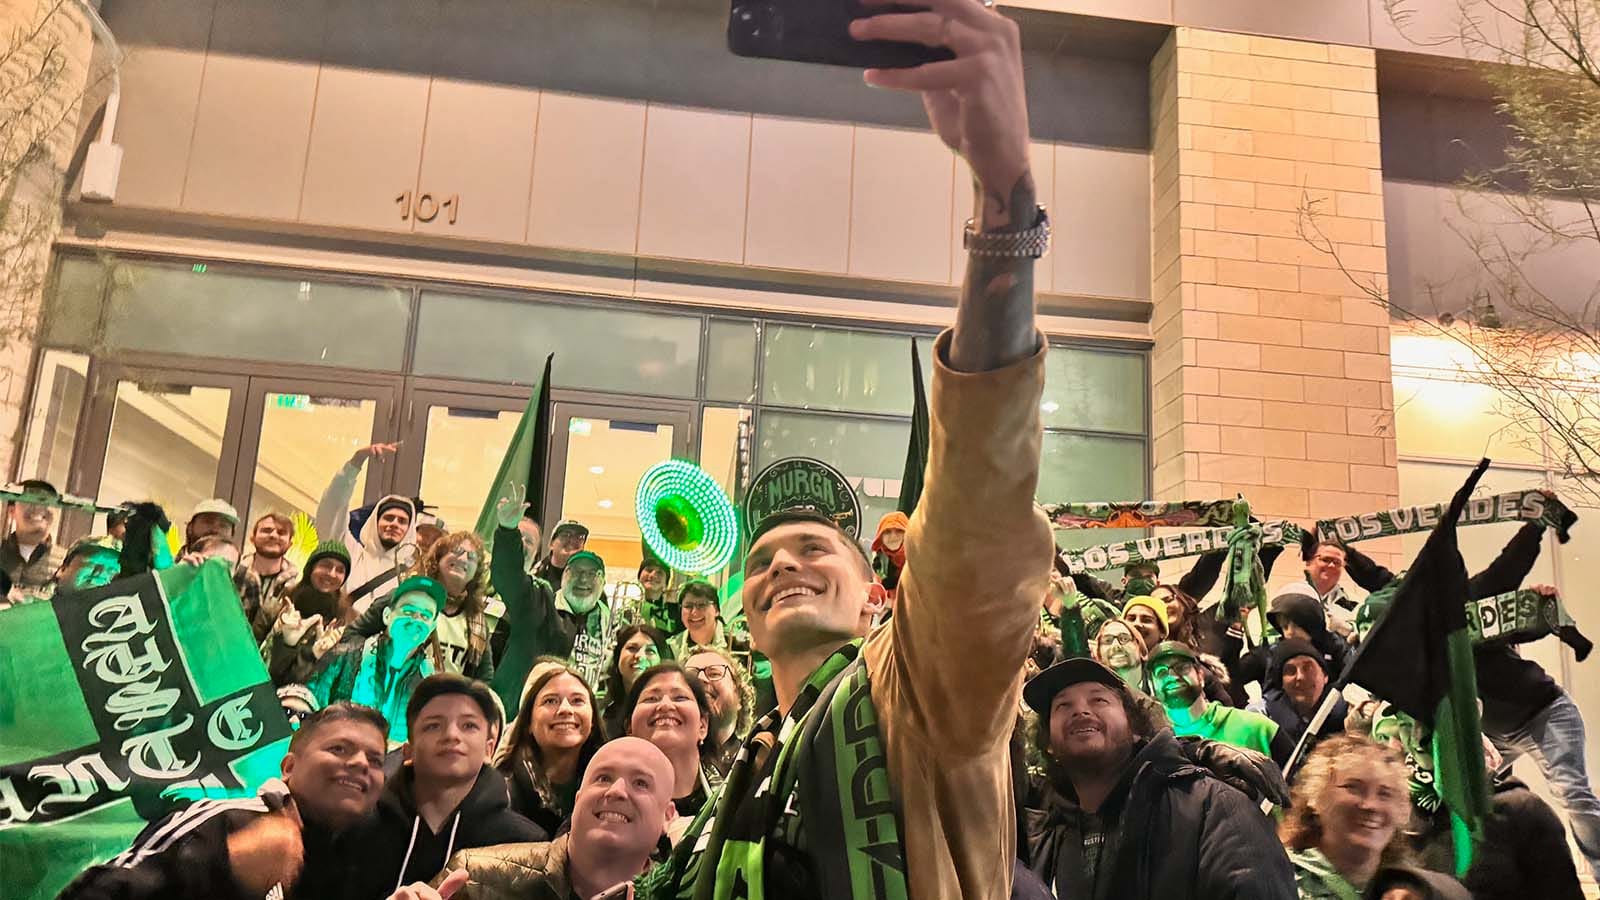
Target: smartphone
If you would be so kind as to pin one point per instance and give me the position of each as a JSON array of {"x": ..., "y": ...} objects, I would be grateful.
[{"x": 818, "y": 31}]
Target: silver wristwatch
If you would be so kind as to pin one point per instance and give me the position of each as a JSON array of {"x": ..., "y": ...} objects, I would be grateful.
[{"x": 1029, "y": 244}]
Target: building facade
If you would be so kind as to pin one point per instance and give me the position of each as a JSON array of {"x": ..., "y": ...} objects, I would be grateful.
[{"x": 344, "y": 221}]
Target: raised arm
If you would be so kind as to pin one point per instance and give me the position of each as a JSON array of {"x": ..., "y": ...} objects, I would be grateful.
[
  {"x": 978, "y": 552},
  {"x": 1511, "y": 566},
  {"x": 333, "y": 510}
]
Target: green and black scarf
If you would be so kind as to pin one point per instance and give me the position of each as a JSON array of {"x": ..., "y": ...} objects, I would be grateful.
[{"x": 806, "y": 811}]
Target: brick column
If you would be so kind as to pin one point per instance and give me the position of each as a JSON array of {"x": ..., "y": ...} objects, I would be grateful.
[
  {"x": 1270, "y": 371},
  {"x": 47, "y": 51}
]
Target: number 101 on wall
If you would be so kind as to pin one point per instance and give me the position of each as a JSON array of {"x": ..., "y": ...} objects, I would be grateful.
[{"x": 426, "y": 208}]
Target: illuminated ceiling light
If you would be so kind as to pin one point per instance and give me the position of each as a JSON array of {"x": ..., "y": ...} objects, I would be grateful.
[
  {"x": 1049, "y": 406},
  {"x": 597, "y": 470},
  {"x": 605, "y": 504},
  {"x": 685, "y": 518}
]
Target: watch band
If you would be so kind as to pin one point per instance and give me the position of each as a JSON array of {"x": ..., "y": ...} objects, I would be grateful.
[{"x": 1029, "y": 244}]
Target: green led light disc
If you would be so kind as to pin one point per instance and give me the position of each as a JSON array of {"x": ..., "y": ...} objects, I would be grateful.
[{"x": 685, "y": 518}]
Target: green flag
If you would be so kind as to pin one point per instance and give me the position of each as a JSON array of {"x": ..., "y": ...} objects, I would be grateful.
[
  {"x": 917, "y": 447},
  {"x": 522, "y": 469},
  {"x": 1418, "y": 656},
  {"x": 116, "y": 701}
]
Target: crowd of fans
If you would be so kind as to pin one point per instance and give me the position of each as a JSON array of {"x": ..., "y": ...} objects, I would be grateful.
[{"x": 1142, "y": 755}]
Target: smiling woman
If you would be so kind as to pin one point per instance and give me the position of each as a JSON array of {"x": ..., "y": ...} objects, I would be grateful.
[
  {"x": 550, "y": 744},
  {"x": 670, "y": 710}
]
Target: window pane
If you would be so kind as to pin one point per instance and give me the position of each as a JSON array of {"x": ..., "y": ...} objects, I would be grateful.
[
  {"x": 605, "y": 460},
  {"x": 1084, "y": 468},
  {"x": 72, "y": 317},
  {"x": 1457, "y": 419},
  {"x": 304, "y": 440},
  {"x": 217, "y": 313},
  {"x": 871, "y": 454},
  {"x": 731, "y": 362},
  {"x": 606, "y": 349},
  {"x": 463, "y": 452},
  {"x": 53, "y": 422},
  {"x": 833, "y": 369},
  {"x": 1094, "y": 390},
  {"x": 165, "y": 441},
  {"x": 719, "y": 444}
]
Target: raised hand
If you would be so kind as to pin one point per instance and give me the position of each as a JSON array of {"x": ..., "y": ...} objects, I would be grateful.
[
  {"x": 361, "y": 456},
  {"x": 292, "y": 627},
  {"x": 977, "y": 105},
  {"x": 508, "y": 512}
]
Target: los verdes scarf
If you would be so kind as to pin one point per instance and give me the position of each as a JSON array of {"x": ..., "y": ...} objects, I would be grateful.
[
  {"x": 824, "y": 762},
  {"x": 1515, "y": 506}
]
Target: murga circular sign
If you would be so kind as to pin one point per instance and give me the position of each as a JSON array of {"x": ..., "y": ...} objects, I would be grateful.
[{"x": 797, "y": 482}]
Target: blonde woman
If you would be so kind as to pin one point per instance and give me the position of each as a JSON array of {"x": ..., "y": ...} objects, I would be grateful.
[{"x": 1349, "y": 805}]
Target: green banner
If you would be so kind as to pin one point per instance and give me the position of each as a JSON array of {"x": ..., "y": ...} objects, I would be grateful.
[
  {"x": 1142, "y": 514},
  {"x": 1516, "y": 506},
  {"x": 1516, "y": 615},
  {"x": 116, "y": 701}
]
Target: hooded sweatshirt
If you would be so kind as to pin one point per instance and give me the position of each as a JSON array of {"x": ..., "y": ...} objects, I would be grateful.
[
  {"x": 888, "y": 563},
  {"x": 368, "y": 558},
  {"x": 399, "y": 848}
]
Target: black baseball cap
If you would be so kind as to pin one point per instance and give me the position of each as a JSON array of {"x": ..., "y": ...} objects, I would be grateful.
[
  {"x": 1169, "y": 649},
  {"x": 1043, "y": 687}
]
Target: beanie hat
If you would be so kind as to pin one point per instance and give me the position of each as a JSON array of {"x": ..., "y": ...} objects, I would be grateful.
[
  {"x": 327, "y": 550},
  {"x": 1154, "y": 605},
  {"x": 389, "y": 503}
]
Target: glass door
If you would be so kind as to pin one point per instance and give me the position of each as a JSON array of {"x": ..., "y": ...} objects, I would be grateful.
[
  {"x": 597, "y": 455},
  {"x": 300, "y": 432},
  {"x": 159, "y": 434},
  {"x": 454, "y": 441}
]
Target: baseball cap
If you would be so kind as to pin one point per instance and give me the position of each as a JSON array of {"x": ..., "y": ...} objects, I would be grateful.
[
  {"x": 566, "y": 525},
  {"x": 424, "y": 584},
  {"x": 1043, "y": 687},
  {"x": 1168, "y": 650},
  {"x": 582, "y": 555},
  {"x": 216, "y": 506}
]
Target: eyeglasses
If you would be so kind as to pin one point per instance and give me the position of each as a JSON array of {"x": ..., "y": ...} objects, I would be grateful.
[
  {"x": 690, "y": 604},
  {"x": 1116, "y": 639},
  {"x": 712, "y": 674}
]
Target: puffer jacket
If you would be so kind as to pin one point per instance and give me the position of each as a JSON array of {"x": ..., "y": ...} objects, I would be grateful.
[
  {"x": 368, "y": 558},
  {"x": 514, "y": 872},
  {"x": 1181, "y": 834},
  {"x": 400, "y": 848}
]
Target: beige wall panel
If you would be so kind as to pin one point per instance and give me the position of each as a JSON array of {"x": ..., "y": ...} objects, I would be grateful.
[
  {"x": 1101, "y": 222},
  {"x": 1042, "y": 160},
  {"x": 249, "y": 150},
  {"x": 160, "y": 96},
  {"x": 1339, "y": 21},
  {"x": 479, "y": 150},
  {"x": 366, "y": 140},
  {"x": 696, "y": 180},
  {"x": 901, "y": 205},
  {"x": 799, "y": 214},
  {"x": 586, "y": 164}
]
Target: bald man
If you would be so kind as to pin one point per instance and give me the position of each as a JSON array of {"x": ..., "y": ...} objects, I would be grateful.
[{"x": 621, "y": 812}]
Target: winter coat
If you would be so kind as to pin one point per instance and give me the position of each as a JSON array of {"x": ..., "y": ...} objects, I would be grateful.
[
  {"x": 514, "y": 872},
  {"x": 1174, "y": 832},
  {"x": 529, "y": 610},
  {"x": 31, "y": 578},
  {"x": 368, "y": 558},
  {"x": 1291, "y": 725},
  {"x": 398, "y": 847},
  {"x": 1523, "y": 854},
  {"x": 527, "y": 801},
  {"x": 356, "y": 672},
  {"x": 263, "y": 601},
  {"x": 185, "y": 854}
]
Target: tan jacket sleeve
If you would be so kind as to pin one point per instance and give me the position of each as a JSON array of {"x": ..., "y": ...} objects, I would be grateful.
[{"x": 978, "y": 556}]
